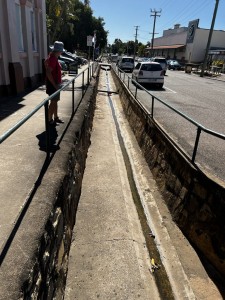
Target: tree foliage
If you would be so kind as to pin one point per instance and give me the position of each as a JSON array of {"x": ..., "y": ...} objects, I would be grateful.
[
  {"x": 71, "y": 21},
  {"x": 119, "y": 47}
]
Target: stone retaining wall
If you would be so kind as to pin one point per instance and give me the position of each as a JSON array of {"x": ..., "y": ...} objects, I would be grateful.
[
  {"x": 36, "y": 265},
  {"x": 196, "y": 202},
  {"x": 48, "y": 276}
]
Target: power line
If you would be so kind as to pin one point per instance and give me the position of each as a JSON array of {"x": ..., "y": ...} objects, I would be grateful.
[
  {"x": 190, "y": 10},
  {"x": 195, "y": 14}
]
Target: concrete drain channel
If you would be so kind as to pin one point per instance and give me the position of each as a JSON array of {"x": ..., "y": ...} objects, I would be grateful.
[{"x": 160, "y": 275}]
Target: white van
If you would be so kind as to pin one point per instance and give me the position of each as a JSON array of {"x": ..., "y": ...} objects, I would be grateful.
[{"x": 126, "y": 63}]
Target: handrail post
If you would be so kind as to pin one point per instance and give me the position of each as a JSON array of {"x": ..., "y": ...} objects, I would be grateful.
[
  {"x": 47, "y": 131},
  {"x": 88, "y": 77},
  {"x": 135, "y": 91},
  {"x": 196, "y": 144},
  {"x": 153, "y": 101},
  {"x": 82, "y": 84},
  {"x": 92, "y": 70},
  {"x": 73, "y": 97}
]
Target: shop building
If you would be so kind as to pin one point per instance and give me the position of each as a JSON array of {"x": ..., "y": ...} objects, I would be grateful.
[{"x": 186, "y": 44}]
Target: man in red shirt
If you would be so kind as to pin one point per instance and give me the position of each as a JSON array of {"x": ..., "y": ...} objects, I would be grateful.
[{"x": 53, "y": 81}]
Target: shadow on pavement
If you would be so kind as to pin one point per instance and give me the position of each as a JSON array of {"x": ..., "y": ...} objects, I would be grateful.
[
  {"x": 42, "y": 137},
  {"x": 9, "y": 107}
]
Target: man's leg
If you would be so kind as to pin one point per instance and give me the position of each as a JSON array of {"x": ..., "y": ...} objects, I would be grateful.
[{"x": 52, "y": 110}]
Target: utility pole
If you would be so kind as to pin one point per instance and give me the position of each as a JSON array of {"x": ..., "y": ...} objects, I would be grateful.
[
  {"x": 135, "y": 42},
  {"x": 209, "y": 39},
  {"x": 154, "y": 14}
]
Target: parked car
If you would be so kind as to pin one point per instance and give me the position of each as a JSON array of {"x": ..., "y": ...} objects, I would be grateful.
[
  {"x": 68, "y": 54},
  {"x": 63, "y": 65},
  {"x": 162, "y": 62},
  {"x": 79, "y": 60},
  {"x": 72, "y": 65},
  {"x": 126, "y": 63},
  {"x": 174, "y": 65},
  {"x": 140, "y": 59},
  {"x": 149, "y": 72}
]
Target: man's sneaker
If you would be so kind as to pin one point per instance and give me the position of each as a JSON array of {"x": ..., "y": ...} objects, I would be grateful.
[{"x": 58, "y": 120}]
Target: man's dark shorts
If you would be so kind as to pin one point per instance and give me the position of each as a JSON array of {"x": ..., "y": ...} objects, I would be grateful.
[{"x": 50, "y": 89}]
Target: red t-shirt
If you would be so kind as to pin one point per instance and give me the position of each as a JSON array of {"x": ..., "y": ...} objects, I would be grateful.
[{"x": 53, "y": 63}]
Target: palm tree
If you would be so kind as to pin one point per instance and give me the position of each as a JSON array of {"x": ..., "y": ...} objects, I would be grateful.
[{"x": 87, "y": 2}]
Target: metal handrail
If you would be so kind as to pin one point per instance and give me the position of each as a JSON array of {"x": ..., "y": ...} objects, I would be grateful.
[
  {"x": 199, "y": 126},
  {"x": 45, "y": 102}
]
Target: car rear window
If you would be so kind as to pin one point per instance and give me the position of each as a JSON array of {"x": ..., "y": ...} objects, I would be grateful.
[
  {"x": 151, "y": 67},
  {"x": 160, "y": 60},
  {"x": 128, "y": 60}
]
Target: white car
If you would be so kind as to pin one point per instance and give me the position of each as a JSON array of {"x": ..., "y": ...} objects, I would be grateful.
[
  {"x": 126, "y": 63},
  {"x": 149, "y": 72}
]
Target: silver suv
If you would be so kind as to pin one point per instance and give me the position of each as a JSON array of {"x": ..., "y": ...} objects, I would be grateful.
[{"x": 162, "y": 62}]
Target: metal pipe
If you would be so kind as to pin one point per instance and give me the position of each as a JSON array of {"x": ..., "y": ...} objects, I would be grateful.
[
  {"x": 88, "y": 77},
  {"x": 9, "y": 132},
  {"x": 47, "y": 137},
  {"x": 153, "y": 100},
  {"x": 136, "y": 92},
  {"x": 83, "y": 84},
  {"x": 198, "y": 125},
  {"x": 73, "y": 96},
  {"x": 196, "y": 145}
]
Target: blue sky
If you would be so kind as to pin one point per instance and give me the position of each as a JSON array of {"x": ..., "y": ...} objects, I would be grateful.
[{"x": 121, "y": 16}]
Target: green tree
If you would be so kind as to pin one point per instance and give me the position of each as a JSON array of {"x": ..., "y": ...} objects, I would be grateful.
[
  {"x": 117, "y": 47},
  {"x": 59, "y": 17},
  {"x": 71, "y": 21},
  {"x": 141, "y": 50},
  {"x": 87, "y": 2}
]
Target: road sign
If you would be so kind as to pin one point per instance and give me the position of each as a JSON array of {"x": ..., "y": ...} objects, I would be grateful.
[{"x": 89, "y": 40}]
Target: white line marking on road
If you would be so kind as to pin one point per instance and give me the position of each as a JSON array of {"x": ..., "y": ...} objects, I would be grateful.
[{"x": 169, "y": 89}]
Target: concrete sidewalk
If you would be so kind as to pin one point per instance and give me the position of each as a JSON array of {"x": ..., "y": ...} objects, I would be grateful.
[
  {"x": 22, "y": 155},
  {"x": 108, "y": 256}
]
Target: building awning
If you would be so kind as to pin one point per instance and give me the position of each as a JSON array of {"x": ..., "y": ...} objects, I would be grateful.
[
  {"x": 166, "y": 47},
  {"x": 218, "y": 52}
]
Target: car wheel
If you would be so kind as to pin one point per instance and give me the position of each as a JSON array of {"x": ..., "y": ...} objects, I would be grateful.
[{"x": 160, "y": 85}]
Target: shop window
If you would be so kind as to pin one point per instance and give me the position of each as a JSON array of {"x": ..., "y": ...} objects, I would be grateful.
[
  {"x": 19, "y": 28},
  {"x": 33, "y": 31}
]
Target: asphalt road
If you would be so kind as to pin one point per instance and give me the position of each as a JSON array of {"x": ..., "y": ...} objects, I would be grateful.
[{"x": 201, "y": 99}]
